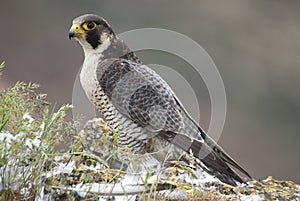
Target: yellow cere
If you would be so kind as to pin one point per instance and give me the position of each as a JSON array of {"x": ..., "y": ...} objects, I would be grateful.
[{"x": 77, "y": 29}]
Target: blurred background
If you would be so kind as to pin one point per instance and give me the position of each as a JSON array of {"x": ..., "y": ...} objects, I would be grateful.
[{"x": 255, "y": 45}]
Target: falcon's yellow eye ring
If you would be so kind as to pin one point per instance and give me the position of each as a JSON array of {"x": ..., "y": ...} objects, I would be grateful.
[{"x": 89, "y": 26}]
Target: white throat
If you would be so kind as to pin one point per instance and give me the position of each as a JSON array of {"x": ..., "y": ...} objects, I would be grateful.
[
  {"x": 88, "y": 49},
  {"x": 88, "y": 77}
]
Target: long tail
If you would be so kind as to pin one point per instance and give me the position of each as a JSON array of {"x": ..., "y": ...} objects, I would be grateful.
[{"x": 211, "y": 157}]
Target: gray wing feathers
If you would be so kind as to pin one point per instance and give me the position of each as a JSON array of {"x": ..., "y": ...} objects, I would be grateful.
[{"x": 143, "y": 96}]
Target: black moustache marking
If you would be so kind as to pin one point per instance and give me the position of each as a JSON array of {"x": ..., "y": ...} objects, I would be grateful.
[{"x": 93, "y": 39}]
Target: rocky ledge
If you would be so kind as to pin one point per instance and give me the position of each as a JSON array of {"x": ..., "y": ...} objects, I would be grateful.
[{"x": 86, "y": 176}]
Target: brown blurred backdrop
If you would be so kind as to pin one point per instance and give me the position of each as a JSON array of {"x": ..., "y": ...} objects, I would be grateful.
[{"x": 255, "y": 45}]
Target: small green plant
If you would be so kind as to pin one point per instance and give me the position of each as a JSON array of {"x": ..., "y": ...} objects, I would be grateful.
[
  {"x": 28, "y": 145},
  {"x": 15, "y": 102}
]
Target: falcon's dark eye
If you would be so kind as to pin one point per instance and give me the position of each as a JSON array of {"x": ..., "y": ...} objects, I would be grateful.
[{"x": 89, "y": 25}]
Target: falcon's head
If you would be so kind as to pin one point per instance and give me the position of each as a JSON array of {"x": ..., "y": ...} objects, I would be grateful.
[{"x": 92, "y": 32}]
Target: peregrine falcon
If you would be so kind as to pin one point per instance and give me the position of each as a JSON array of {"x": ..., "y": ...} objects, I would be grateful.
[{"x": 138, "y": 103}]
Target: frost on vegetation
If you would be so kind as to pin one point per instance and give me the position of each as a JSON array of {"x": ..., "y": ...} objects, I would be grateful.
[{"x": 29, "y": 135}]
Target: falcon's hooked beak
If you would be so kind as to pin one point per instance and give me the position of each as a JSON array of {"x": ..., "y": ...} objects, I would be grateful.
[{"x": 75, "y": 31}]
